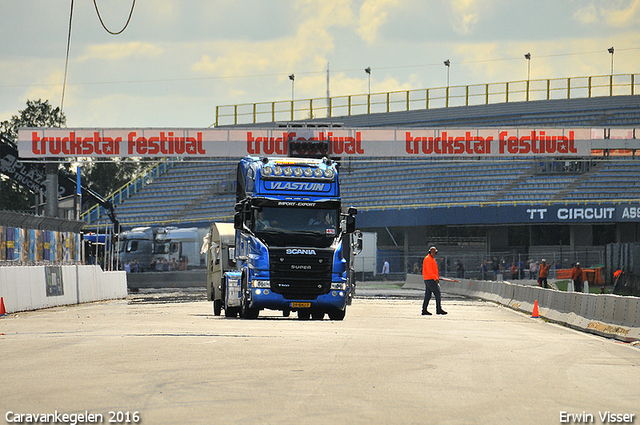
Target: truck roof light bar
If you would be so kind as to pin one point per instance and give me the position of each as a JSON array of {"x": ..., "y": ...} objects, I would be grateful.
[{"x": 298, "y": 172}]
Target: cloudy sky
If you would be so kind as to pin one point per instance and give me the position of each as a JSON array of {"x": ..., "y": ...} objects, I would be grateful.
[{"x": 179, "y": 59}]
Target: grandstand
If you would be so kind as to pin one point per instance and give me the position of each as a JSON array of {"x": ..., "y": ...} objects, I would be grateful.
[
  {"x": 404, "y": 199},
  {"x": 201, "y": 191},
  {"x": 423, "y": 182},
  {"x": 190, "y": 191}
]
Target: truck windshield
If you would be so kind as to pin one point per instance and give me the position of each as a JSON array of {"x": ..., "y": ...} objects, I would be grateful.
[
  {"x": 161, "y": 248},
  {"x": 296, "y": 226}
]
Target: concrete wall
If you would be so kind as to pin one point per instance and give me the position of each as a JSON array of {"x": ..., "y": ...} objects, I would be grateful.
[
  {"x": 182, "y": 279},
  {"x": 612, "y": 316},
  {"x": 35, "y": 287}
]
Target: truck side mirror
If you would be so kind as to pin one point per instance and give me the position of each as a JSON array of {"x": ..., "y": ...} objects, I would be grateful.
[
  {"x": 351, "y": 224},
  {"x": 350, "y": 220},
  {"x": 237, "y": 221}
]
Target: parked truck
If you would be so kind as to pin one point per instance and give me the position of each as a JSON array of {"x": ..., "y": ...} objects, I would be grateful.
[
  {"x": 155, "y": 248},
  {"x": 180, "y": 246},
  {"x": 137, "y": 246},
  {"x": 366, "y": 264},
  {"x": 294, "y": 243}
]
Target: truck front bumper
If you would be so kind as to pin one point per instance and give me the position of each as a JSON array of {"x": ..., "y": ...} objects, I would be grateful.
[{"x": 262, "y": 298}]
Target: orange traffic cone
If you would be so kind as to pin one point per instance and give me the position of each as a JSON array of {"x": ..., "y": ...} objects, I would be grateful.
[
  {"x": 3, "y": 311},
  {"x": 535, "y": 314}
]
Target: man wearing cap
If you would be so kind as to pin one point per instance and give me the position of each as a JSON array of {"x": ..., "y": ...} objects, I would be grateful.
[
  {"x": 544, "y": 273},
  {"x": 431, "y": 278},
  {"x": 576, "y": 276}
]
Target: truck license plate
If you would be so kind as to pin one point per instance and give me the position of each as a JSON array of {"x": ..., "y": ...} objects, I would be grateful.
[{"x": 300, "y": 305}]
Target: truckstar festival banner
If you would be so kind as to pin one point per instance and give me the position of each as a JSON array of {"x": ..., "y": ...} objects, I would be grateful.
[{"x": 344, "y": 142}]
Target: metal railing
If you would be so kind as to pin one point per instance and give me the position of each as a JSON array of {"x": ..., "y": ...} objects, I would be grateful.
[
  {"x": 439, "y": 97},
  {"x": 403, "y": 264}
]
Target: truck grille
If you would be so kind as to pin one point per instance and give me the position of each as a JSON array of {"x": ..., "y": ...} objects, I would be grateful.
[{"x": 300, "y": 276}]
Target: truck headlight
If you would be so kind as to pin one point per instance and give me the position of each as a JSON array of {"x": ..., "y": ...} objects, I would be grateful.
[{"x": 338, "y": 285}]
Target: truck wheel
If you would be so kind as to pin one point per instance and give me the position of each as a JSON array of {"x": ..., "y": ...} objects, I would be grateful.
[
  {"x": 337, "y": 314},
  {"x": 231, "y": 312},
  {"x": 217, "y": 307},
  {"x": 245, "y": 311},
  {"x": 304, "y": 314},
  {"x": 251, "y": 313},
  {"x": 317, "y": 315},
  {"x": 286, "y": 312}
]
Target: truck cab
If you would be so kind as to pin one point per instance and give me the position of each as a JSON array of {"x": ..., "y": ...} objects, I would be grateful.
[
  {"x": 293, "y": 249},
  {"x": 137, "y": 245},
  {"x": 180, "y": 246}
]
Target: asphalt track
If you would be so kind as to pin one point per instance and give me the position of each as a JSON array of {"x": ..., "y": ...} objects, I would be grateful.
[{"x": 164, "y": 356}]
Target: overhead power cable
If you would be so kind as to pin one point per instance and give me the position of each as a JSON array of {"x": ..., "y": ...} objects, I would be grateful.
[
  {"x": 280, "y": 74},
  {"x": 66, "y": 61},
  {"x": 105, "y": 27}
]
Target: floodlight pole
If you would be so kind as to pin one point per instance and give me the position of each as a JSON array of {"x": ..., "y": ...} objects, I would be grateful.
[
  {"x": 611, "y": 50},
  {"x": 368, "y": 71},
  {"x": 527, "y": 56},
  {"x": 447, "y": 63},
  {"x": 292, "y": 77}
]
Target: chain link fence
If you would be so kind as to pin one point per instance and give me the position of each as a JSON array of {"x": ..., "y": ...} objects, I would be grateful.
[
  {"x": 626, "y": 258},
  {"x": 477, "y": 263}
]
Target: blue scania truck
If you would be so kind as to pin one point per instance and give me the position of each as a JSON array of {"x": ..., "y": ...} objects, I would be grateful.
[{"x": 294, "y": 242}]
